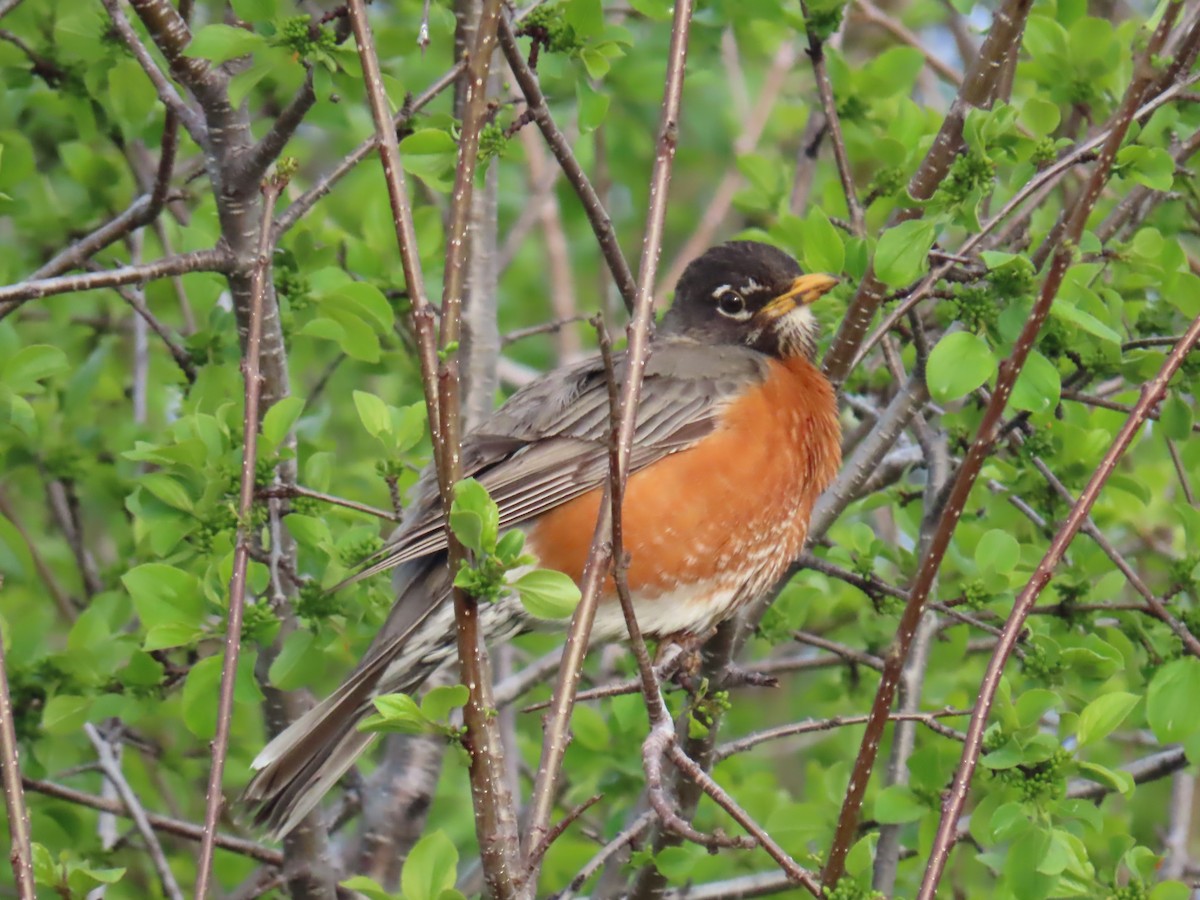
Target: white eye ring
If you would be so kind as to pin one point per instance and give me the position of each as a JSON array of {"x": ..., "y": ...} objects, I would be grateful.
[{"x": 731, "y": 304}]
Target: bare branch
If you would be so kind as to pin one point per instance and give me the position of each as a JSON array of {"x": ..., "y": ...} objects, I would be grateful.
[
  {"x": 21, "y": 850},
  {"x": 214, "y": 799},
  {"x": 256, "y": 162},
  {"x": 134, "y": 809},
  {"x": 1152, "y": 393},
  {"x": 598, "y": 217},
  {"x": 164, "y": 824}
]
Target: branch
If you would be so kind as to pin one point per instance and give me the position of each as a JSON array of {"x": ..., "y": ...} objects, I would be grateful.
[
  {"x": 816, "y": 54},
  {"x": 21, "y": 851},
  {"x": 258, "y": 159},
  {"x": 558, "y": 722},
  {"x": 592, "y": 206},
  {"x": 111, "y": 768},
  {"x": 980, "y": 448},
  {"x": 977, "y": 91},
  {"x": 13, "y": 295},
  {"x": 241, "y": 556},
  {"x": 166, "y": 91},
  {"x": 1152, "y": 393},
  {"x": 167, "y": 825}
]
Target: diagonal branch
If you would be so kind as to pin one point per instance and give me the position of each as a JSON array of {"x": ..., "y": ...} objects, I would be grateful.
[
  {"x": 259, "y": 158},
  {"x": 598, "y": 217},
  {"x": 1152, "y": 393}
]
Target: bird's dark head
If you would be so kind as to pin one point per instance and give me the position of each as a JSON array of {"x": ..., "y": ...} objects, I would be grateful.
[{"x": 744, "y": 292}]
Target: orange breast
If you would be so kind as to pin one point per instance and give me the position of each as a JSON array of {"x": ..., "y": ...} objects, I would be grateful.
[{"x": 734, "y": 508}]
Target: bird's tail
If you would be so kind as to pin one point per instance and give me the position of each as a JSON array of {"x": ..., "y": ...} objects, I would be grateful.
[{"x": 296, "y": 769}]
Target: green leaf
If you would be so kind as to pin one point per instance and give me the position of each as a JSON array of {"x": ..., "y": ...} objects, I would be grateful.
[
  {"x": 960, "y": 363},
  {"x": 1151, "y": 166},
  {"x": 1039, "y": 116},
  {"x": 474, "y": 517},
  {"x": 368, "y": 887},
  {"x": 279, "y": 421},
  {"x": 1072, "y": 314},
  {"x": 592, "y": 106},
  {"x": 1176, "y": 418},
  {"x": 822, "y": 247},
  {"x": 1101, "y": 717},
  {"x": 897, "y": 804},
  {"x": 902, "y": 254},
  {"x": 547, "y": 594},
  {"x": 221, "y": 43},
  {"x": 997, "y": 551},
  {"x": 202, "y": 687},
  {"x": 374, "y": 413},
  {"x": 430, "y": 154},
  {"x": 168, "y": 490},
  {"x": 438, "y": 701},
  {"x": 1038, "y": 387},
  {"x": 430, "y": 868},
  {"x": 163, "y": 594},
  {"x": 170, "y": 634},
  {"x": 65, "y": 713},
  {"x": 1170, "y": 700},
  {"x": 32, "y": 364},
  {"x": 289, "y": 668},
  {"x": 397, "y": 713}
]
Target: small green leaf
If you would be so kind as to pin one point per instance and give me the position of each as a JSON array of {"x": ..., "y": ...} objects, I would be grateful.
[
  {"x": 288, "y": 668},
  {"x": 547, "y": 594},
  {"x": 997, "y": 551},
  {"x": 438, "y": 701},
  {"x": 279, "y": 421},
  {"x": 902, "y": 254},
  {"x": 1176, "y": 418},
  {"x": 397, "y": 713},
  {"x": 221, "y": 43},
  {"x": 168, "y": 490},
  {"x": 430, "y": 868},
  {"x": 1040, "y": 116},
  {"x": 822, "y": 247},
  {"x": 960, "y": 363},
  {"x": 170, "y": 634},
  {"x": 65, "y": 713},
  {"x": 592, "y": 106},
  {"x": 368, "y": 887},
  {"x": 254, "y": 10},
  {"x": 32, "y": 364},
  {"x": 474, "y": 517},
  {"x": 1101, "y": 717},
  {"x": 1170, "y": 700},
  {"x": 1038, "y": 387},
  {"x": 374, "y": 413},
  {"x": 897, "y": 804}
]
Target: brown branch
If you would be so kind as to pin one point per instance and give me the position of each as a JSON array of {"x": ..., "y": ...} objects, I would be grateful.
[
  {"x": 13, "y": 295},
  {"x": 214, "y": 799},
  {"x": 165, "y": 824},
  {"x": 1152, "y": 393},
  {"x": 816, "y": 55},
  {"x": 137, "y": 302},
  {"x": 869, "y": 12},
  {"x": 978, "y": 89},
  {"x": 597, "y": 216},
  {"x": 259, "y": 157},
  {"x": 929, "y": 719},
  {"x": 62, "y": 601},
  {"x": 554, "y": 743},
  {"x": 20, "y": 852},
  {"x": 980, "y": 448},
  {"x": 166, "y": 91}
]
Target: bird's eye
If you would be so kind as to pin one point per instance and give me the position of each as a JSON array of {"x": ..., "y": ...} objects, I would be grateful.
[{"x": 730, "y": 303}]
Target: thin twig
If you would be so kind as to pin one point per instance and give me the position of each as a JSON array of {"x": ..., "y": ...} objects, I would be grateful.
[
  {"x": 285, "y": 491},
  {"x": 134, "y": 809},
  {"x": 20, "y": 853},
  {"x": 214, "y": 798},
  {"x": 1152, "y": 393},
  {"x": 597, "y": 216},
  {"x": 165, "y": 824}
]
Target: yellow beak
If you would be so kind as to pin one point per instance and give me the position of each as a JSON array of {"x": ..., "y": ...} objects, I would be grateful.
[{"x": 804, "y": 290}]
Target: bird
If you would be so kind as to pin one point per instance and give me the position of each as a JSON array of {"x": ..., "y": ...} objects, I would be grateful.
[{"x": 736, "y": 436}]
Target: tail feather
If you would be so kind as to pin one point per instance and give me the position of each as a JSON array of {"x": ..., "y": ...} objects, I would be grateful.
[{"x": 296, "y": 769}]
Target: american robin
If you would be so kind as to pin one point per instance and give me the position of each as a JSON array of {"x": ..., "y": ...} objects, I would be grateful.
[{"x": 736, "y": 436}]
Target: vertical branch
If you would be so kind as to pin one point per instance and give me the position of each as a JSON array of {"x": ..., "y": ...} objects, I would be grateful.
[
  {"x": 1151, "y": 394},
  {"x": 554, "y": 744},
  {"x": 20, "y": 853},
  {"x": 241, "y": 558},
  {"x": 985, "y": 437}
]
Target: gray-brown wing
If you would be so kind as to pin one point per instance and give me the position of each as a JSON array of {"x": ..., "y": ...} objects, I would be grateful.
[{"x": 549, "y": 442}]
